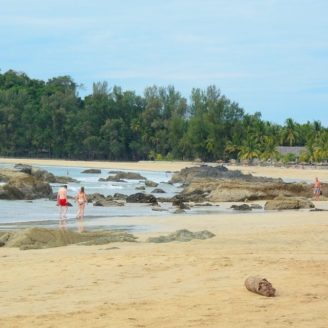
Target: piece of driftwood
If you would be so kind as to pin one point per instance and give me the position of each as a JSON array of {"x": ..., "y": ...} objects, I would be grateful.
[{"x": 259, "y": 285}]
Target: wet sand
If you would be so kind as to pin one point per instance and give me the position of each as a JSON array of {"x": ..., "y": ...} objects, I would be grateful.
[{"x": 193, "y": 284}]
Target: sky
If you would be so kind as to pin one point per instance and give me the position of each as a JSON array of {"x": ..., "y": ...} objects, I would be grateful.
[{"x": 269, "y": 56}]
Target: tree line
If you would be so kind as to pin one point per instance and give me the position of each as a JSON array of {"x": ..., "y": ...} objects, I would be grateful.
[{"x": 49, "y": 119}]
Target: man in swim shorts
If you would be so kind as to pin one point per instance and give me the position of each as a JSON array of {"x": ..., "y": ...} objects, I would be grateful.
[
  {"x": 62, "y": 203},
  {"x": 316, "y": 189}
]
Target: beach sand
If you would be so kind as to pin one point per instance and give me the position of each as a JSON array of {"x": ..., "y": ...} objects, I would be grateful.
[{"x": 193, "y": 284}]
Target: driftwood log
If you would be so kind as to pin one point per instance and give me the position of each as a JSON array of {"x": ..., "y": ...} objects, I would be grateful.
[{"x": 259, "y": 285}]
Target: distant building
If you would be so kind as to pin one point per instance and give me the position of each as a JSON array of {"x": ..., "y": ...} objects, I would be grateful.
[{"x": 284, "y": 150}]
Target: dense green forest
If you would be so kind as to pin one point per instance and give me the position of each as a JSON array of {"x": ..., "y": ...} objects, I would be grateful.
[{"x": 49, "y": 119}]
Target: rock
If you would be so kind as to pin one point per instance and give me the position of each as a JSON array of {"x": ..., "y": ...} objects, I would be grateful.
[
  {"x": 20, "y": 185},
  {"x": 164, "y": 199},
  {"x": 65, "y": 180},
  {"x": 158, "y": 209},
  {"x": 158, "y": 191},
  {"x": 150, "y": 183},
  {"x": 178, "y": 201},
  {"x": 179, "y": 211},
  {"x": 141, "y": 198},
  {"x": 290, "y": 203},
  {"x": 256, "y": 206},
  {"x": 119, "y": 196},
  {"x": 39, "y": 174},
  {"x": 112, "y": 178},
  {"x": 107, "y": 203},
  {"x": 218, "y": 184},
  {"x": 44, "y": 175},
  {"x": 97, "y": 196},
  {"x": 242, "y": 207},
  {"x": 238, "y": 190},
  {"x": 92, "y": 171},
  {"x": 182, "y": 235},
  {"x": 188, "y": 174},
  {"x": 127, "y": 176},
  {"x": 35, "y": 238},
  {"x": 141, "y": 188}
]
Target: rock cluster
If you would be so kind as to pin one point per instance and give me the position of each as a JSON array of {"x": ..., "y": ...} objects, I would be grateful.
[
  {"x": 35, "y": 238},
  {"x": 21, "y": 185},
  {"x": 218, "y": 184}
]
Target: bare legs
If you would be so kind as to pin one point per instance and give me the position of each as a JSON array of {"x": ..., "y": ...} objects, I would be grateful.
[
  {"x": 79, "y": 216},
  {"x": 62, "y": 217}
]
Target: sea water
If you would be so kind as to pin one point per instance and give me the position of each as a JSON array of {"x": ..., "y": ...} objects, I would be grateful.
[{"x": 17, "y": 214}]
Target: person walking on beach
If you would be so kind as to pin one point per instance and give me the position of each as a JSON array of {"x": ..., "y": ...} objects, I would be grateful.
[
  {"x": 316, "y": 189},
  {"x": 62, "y": 203},
  {"x": 82, "y": 200}
]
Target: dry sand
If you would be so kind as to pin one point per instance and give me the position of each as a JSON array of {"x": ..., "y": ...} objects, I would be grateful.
[
  {"x": 141, "y": 165},
  {"x": 194, "y": 284}
]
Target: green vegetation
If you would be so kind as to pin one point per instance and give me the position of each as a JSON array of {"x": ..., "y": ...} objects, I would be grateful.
[{"x": 49, "y": 119}]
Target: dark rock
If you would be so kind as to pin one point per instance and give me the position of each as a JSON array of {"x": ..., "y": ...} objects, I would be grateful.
[
  {"x": 65, "y": 180},
  {"x": 150, "y": 183},
  {"x": 127, "y": 176},
  {"x": 107, "y": 203},
  {"x": 140, "y": 188},
  {"x": 92, "y": 171},
  {"x": 256, "y": 206},
  {"x": 178, "y": 201},
  {"x": 179, "y": 211},
  {"x": 119, "y": 196},
  {"x": 112, "y": 178},
  {"x": 141, "y": 198},
  {"x": 164, "y": 199},
  {"x": 188, "y": 174},
  {"x": 20, "y": 167},
  {"x": 242, "y": 207},
  {"x": 96, "y": 196},
  {"x": 158, "y": 191},
  {"x": 159, "y": 209}
]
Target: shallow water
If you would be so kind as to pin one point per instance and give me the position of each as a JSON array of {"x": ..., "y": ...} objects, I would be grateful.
[{"x": 19, "y": 214}]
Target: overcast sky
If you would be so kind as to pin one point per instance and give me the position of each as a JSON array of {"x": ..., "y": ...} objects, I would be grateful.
[{"x": 267, "y": 55}]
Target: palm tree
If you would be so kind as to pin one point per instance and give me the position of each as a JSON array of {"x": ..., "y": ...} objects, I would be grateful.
[
  {"x": 289, "y": 132},
  {"x": 250, "y": 148},
  {"x": 270, "y": 151},
  {"x": 321, "y": 148}
]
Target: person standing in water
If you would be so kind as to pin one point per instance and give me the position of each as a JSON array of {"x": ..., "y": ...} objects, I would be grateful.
[
  {"x": 82, "y": 200},
  {"x": 316, "y": 189},
  {"x": 62, "y": 203}
]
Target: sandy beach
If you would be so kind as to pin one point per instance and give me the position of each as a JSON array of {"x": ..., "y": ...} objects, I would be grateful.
[
  {"x": 193, "y": 284},
  {"x": 300, "y": 173}
]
